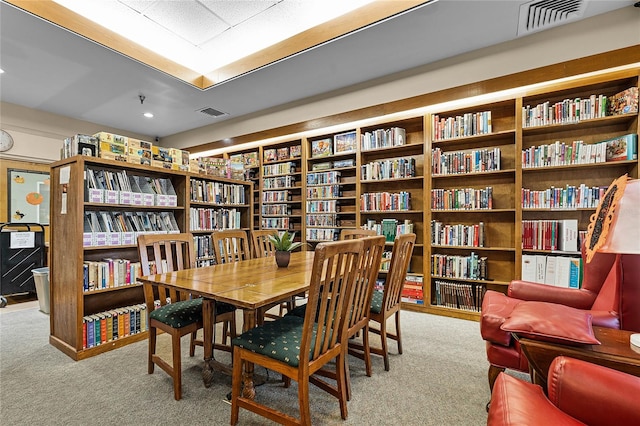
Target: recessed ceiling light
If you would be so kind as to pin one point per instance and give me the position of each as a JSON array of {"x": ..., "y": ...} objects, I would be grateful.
[
  {"x": 148, "y": 115},
  {"x": 1, "y": 71}
]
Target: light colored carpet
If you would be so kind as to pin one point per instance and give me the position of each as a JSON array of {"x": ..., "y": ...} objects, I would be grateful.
[{"x": 441, "y": 379}]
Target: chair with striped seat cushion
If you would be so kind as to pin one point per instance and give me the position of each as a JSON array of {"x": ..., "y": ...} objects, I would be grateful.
[
  {"x": 174, "y": 312},
  {"x": 293, "y": 346}
]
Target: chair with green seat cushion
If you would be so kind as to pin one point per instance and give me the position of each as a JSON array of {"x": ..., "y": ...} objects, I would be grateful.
[
  {"x": 174, "y": 312},
  {"x": 387, "y": 303},
  {"x": 293, "y": 347}
]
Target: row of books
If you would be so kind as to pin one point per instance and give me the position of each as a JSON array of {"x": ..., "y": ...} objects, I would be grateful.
[
  {"x": 206, "y": 219},
  {"x": 336, "y": 164},
  {"x": 104, "y": 327},
  {"x": 276, "y": 223},
  {"x": 248, "y": 159},
  {"x": 275, "y": 196},
  {"x": 393, "y": 168},
  {"x": 323, "y": 178},
  {"x": 569, "y": 197},
  {"x": 324, "y": 191},
  {"x": 342, "y": 143},
  {"x": 577, "y": 109},
  {"x": 468, "y": 124},
  {"x": 385, "y": 201},
  {"x": 468, "y": 161},
  {"x": 322, "y": 220},
  {"x": 280, "y": 182},
  {"x": 109, "y": 273},
  {"x": 107, "y": 228},
  {"x": 203, "y": 246},
  {"x": 276, "y": 209},
  {"x": 283, "y": 153},
  {"x": 561, "y": 154},
  {"x": 462, "y": 199},
  {"x": 322, "y": 234},
  {"x": 278, "y": 169},
  {"x": 456, "y": 295},
  {"x": 550, "y": 235},
  {"x": 457, "y": 235},
  {"x": 560, "y": 271},
  {"x": 472, "y": 267},
  {"x": 220, "y": 167},
  {"x": 217, "y": 192},
  {"x": 390, "y": 228},
  {"x": 383, "y": 138},
  {"x": 119, "y": 188},
  {"x": 324, "y": 206},
  {"x": 412, "y": 291}
]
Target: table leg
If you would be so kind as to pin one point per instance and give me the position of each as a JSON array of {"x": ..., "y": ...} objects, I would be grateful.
[
  {"x": 207, "y": 321},
  {"x": 248, "y": 390}
]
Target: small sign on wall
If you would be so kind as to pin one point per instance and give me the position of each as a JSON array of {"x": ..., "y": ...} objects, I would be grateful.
[{"x": 28, "y": 196}]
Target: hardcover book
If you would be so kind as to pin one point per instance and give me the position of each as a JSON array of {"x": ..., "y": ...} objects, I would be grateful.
[
  {"x": 344, "y": 142},
  {"x": 283, "y": 153},
  {"x": 251, "y": 159},
  {"x": 295, "y": 151},
  {"x": 321, "y": 148},
  {"x": 270, "y": 154},
  {"x": 625, "y": 102},
  {"x": 622, "y": 148}
]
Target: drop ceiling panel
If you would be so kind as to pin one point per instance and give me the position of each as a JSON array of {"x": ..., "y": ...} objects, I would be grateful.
[
  {"x": 188, "y": 20},
  {"x": 236, "y": 12},
  {"x": 138, "y": 5}
]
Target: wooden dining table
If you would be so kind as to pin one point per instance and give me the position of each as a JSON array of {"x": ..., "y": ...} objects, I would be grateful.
[{"x": 251, "y": 285}]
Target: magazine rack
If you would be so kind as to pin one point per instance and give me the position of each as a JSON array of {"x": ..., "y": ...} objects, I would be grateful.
[{"x": 21, "y": 250}]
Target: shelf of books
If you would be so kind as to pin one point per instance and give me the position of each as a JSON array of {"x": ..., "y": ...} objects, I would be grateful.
[
  {"x": 330, "y": 198},
  {"x": 391, "y": 182},
  {"x": 575, "y": 141},
  {"x": 281, "y": 195},
  {"x": 250, "y": 159},
  {"x": 99, "y": 207},
  {"x": 472, "y": 211}
]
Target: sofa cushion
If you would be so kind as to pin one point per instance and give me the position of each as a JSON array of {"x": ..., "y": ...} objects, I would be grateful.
[{"x": 551, "y": 322}]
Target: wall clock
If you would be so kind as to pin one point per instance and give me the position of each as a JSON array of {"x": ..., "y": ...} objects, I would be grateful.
[{"x": 6, "y": 141}]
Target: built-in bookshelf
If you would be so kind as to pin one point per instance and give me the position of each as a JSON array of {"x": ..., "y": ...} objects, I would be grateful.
[
  {"x": 99, "y": 207},
  {"x": 281, "y": 187},
  {"x": 251, "y": 160},
  {"x": 330, "y": 197},
  {"x": 485, "y": 170}
]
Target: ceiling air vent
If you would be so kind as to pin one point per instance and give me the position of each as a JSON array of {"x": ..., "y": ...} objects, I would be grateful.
[
  {"x": 540, "y": 15},
  {"x": 212, "y": 112}
]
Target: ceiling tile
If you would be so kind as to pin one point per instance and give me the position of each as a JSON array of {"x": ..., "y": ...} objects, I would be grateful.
[
  {"x": 189, "y": 20},
  {"x": 138, "y": 5},
  {"x": 235, "y": 12}
]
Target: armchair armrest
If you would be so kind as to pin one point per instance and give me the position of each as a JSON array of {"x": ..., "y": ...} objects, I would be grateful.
[
  {"x": 575, "y": 298},
  {"x": 593, "y": 394}
]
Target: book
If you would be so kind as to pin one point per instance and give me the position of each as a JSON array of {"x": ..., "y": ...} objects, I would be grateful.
[
  {"x": 568, "y": 235},
  {"x": 550, "y": 270},
  {"x": 625, "y": 102},
  {"x": 575, "y": 272},
  {"x": 562, "y": 271},
  {"x": 344, "y": 143},
  {"x": 541, "y": 268},
  {"x": 283, "y": 153},
  {"x": 270, "y": 154},
  {"x": 321, "y": 148},
  {"x": 529, "y": 267},
  {"x": 251, "y": 159},
  {"x": 622, "y": 148},
  {"x": 295, "y": 151}
]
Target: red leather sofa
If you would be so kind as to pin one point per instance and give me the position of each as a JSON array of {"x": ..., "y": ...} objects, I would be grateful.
[{"x": 578, "y": 393}]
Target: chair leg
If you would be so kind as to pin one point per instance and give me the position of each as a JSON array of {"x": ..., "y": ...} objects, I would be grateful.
[
  {"x": 347, "y": 376},
  {"x": 398, "y": 338},
  {"x": 192, "y": 343},
  {"x": 236, "y": 387},
  {"x": 385, "y": 349},
  {"x": 152, "y": 349},
  {"x": 366, "y": 350},
  {"x": 303, "y": 401},
  {"x": 177, "y": 367},
  {"x": 493, "y": 375},
  {"x": 341, "y": 378}
]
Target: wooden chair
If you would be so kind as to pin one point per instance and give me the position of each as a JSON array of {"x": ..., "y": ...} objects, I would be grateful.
[
  {"x": 358, "y": 320},
  {"x": 262, "y": 245},
  {"x": 272, "y": 344},
  {"x": 174, "y": 312},
  {"x": 387, "y": 303},
  {"x": 350, "y": 234},
  {"x": 230, "y": 245}
]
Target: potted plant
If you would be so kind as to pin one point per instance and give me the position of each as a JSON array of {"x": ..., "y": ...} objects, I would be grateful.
[{"x": 284, "y": 245}]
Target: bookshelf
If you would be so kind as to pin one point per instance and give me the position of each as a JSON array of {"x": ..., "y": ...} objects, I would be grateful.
[
  {"x": 281, "y": 187},
  {"x": 444, "y": 193},
  {"x": 251, "y": 159},
  {"x": 121, "y": 212},
  {"x": 330, "y": 186}
]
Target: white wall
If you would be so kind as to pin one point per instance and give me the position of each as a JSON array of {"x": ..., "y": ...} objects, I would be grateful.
[
  {"x": 38, "y": 135},
  {"x": 603, "y": 33}
]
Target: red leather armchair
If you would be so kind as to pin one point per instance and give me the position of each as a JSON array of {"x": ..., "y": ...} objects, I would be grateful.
[
  {"x": 610, "y": 294},
  {"x": 578, "y": 393}
]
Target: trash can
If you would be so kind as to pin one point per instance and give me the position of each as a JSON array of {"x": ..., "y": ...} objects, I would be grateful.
[{"x": 41, "y": 278}]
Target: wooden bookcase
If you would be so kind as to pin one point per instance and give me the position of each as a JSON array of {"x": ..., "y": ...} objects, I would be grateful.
[
  {"x": 330, "y": 170},
  {"x": 502, "y": 221},
  {"x": 70, "y": 302}
]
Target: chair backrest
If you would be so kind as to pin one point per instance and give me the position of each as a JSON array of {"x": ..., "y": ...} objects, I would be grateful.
[
  {"x": 230, "y": 245},
  {"x": 160, "y": 253},
  {"x": 350, "y": 234},
  {"x": 400, "y": 258},
  {"x": 365, "y": 282},
  {"x": 335, "y": 266},
  {"x": 262, "y": 245}
]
